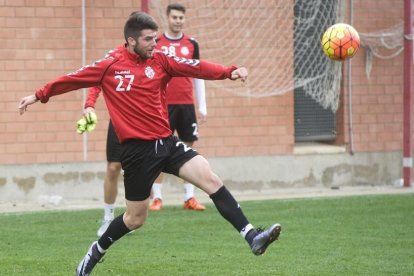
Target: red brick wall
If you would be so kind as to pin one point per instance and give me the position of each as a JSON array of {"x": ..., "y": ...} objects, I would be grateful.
[
  {"x": 42, "y": 40},
  {"x": 378, "y": 101}
]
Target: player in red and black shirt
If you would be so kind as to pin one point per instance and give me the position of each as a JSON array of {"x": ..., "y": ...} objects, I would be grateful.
[
  {"x": 181, "y": 110},
  {"x": 133, "y": 84}
]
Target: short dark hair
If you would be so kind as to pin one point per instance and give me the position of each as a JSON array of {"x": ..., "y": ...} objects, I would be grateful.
[
  {"x": 137, "y": 22},
  {"x": 175, "y": 6}
]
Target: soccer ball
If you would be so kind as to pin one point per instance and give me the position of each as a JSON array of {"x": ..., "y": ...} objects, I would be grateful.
[{"x": 340, "y": 42}]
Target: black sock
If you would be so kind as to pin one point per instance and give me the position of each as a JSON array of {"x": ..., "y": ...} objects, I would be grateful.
[
  {"x": 229, "y": 208},
  {"x": 116, "y": 230}
]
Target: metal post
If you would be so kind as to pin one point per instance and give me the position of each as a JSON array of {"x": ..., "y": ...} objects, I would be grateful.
[
  {"x": 84, "y": 136},
  {"x": 408, "y": 65},
  {"x": 350, "y": 118}
]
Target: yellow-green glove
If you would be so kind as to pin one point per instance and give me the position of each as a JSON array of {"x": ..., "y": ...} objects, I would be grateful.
[
  {"x": 91, "y": 121},
  {"x": 87, "y": 123},
  {"x": 81, "y": 125}
]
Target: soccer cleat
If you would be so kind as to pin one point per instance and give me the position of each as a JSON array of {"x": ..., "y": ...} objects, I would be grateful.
[
  {"x": 156, "y": 204},
  {"x": 89, "y": 261},
  {"x": 192, "y": 204},
  {"x": 104, "y": 226},
  {"x": 264, "y": 238}
]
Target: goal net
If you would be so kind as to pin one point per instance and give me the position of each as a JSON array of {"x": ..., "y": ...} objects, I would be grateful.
[
  {"x": 278, "y": 41},
  {"x": 386, "y": 43}
]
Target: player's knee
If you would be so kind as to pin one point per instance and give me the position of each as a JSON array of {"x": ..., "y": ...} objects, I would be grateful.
[
  {"x": 215, "y": 180},
  {"x": 134, "y": 222},
  {"x": 210, "y": 183},
  {"x": 114, "y": 168}
]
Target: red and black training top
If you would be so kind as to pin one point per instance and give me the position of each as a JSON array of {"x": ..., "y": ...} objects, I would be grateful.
[
  {"x": 135, "y": 89},
  {"x": 179, "y": 90}
]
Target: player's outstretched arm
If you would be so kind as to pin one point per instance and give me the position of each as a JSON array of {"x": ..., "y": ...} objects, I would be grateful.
[
  {"x": 26, "y": 101},
  {"x": 239, "y": 73}
]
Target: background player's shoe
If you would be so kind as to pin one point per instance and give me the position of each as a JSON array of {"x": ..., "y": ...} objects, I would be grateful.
[
  {"x": 156, "y": 204},
  {"x": 104, "y": 226},
  {"x": 192, "y": 204},
  {"x": 264, "y": 238},
  {"x": 89, "y": 261}
]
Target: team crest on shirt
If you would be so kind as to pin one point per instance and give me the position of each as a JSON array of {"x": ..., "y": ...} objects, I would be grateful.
[
  {"x": 185, "y": 51},
  {"x": 149, "y": 72}
]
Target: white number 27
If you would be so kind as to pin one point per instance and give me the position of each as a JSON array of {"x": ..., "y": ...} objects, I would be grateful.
[{"x": 121, "y": 79}]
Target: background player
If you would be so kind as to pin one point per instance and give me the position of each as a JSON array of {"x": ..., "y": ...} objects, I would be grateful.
[
  {"x": 113, "y": 156},
  {"x": 181, "y": 110},
  {"x": 113, "y": 167}
]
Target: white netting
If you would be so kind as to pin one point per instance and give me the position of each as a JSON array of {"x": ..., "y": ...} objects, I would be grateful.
[
  {"x": 384, "y": 44},
  {"x": 278, "y": 41}
]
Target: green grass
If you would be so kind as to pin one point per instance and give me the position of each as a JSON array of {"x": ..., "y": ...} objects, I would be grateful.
[{"x": 361, "y": 235}]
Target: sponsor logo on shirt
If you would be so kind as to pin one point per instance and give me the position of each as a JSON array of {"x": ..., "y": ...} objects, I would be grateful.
[{"x": 123, "y": 72}]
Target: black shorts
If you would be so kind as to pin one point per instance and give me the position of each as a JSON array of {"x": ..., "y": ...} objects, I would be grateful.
[
  {"x": 113, "y": 147},
  {"x": 183, "y": 119},
  {"x": 142, "y": 162}
]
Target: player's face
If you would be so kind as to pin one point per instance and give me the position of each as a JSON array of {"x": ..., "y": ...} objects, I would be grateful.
[
  {"x": 176, "y": 21},
  {"x": 144, "y": 46}
]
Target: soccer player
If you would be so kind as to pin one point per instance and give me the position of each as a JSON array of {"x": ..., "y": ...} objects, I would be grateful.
[
  {"x": 113, "y": 167},
  {"x": 113, "y": 156},
  {"x": 133, "y": 84},
  {"x": 181, "y": 111}
]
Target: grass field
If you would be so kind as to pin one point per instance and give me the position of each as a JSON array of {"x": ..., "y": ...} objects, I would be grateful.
[{"x": 359, "y": 235}]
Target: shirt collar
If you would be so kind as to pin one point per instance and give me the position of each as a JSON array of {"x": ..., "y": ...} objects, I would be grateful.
[
  {"x": 173, "y": 37},
  {"x": 132, "y": 56}
]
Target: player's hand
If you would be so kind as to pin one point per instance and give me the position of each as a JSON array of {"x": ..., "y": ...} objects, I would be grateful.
[
  {"x": 87, "y": 122},
  {"x": 91, "y": 121},
  {"x": 239, "y": 73},
  {"x": 26, "y": 101},
  {"x": 202, "y": 117},
  {"x": 81, "y": 125}
]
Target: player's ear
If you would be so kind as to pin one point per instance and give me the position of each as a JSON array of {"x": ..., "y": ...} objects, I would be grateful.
[{"x": 131, "y": 41}]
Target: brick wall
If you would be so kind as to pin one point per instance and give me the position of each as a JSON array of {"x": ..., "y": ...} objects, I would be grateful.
[
  {"x": 42, "y": 40},
  {"x": 377, "y": 101}
]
